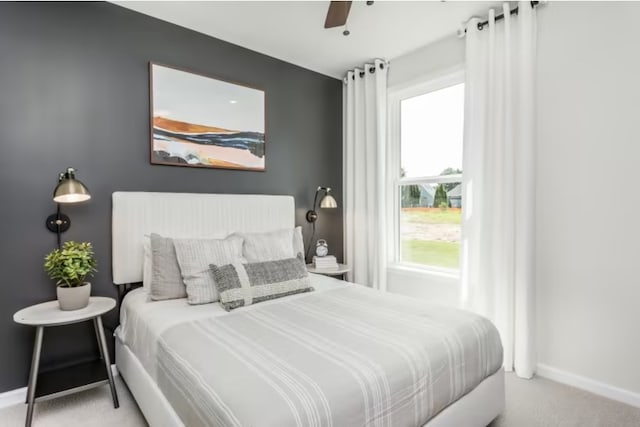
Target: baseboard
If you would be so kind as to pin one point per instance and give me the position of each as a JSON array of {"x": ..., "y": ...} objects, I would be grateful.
[
  {"x": 13, "y": 397},
  {"x": 19, "y": 395},
  {"x": 587, "y": 384}
]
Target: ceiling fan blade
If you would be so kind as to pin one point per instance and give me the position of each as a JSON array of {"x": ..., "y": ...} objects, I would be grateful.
[{"x": 337, "y": 14}]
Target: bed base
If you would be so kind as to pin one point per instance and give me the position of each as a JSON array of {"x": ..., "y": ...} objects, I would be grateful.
[
  {"x": 154, "y": 406},
  {"x": 475, "y": 409}
]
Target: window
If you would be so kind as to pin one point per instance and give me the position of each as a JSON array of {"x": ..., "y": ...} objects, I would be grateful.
[{"x": 428, "y": 176}]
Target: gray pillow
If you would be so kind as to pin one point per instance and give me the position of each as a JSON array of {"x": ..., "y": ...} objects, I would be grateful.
[
  {"x": 194, "y": 257},
  {"x": 272, "y": 245},
  {"x": 241, "y": 284},
  {"x": 166, "y": 280}
]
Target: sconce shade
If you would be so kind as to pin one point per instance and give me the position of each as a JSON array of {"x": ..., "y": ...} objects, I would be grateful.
[
  {"x": 70, "y": 190},
  {"x": 328, "y": 202}
]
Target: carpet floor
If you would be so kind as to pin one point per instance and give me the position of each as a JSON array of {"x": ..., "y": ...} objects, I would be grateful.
[{"x": 530, "y": 403}]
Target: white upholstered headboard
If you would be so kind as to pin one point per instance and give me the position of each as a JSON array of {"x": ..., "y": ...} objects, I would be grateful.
[{"x": 135, "y": 214}]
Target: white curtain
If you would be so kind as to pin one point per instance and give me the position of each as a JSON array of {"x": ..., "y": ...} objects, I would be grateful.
[
  {"x": 499, "y": 181},
  {"x": 364, "y": 154}
]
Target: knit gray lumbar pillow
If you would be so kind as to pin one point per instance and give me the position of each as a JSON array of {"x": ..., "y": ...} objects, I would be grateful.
[{"x": 240, "y": 284}]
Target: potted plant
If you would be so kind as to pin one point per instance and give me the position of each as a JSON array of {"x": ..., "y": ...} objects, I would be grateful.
[{"x": 70, "y": 266}]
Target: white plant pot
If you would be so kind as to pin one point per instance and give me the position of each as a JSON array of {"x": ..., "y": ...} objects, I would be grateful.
[{"x": 74, "y": 298}]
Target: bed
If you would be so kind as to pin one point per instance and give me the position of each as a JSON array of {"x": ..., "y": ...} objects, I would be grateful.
[{"x": 342, "y": 355}]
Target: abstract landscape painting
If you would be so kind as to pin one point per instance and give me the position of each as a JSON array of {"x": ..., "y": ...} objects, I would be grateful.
[{"x": 204, "y": 122}]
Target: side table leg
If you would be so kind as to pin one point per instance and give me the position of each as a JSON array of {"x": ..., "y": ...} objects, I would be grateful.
[
  {"x": 95, "y": 328},
  {"x": 104, "y": 350},
  {"x": 33, "y": 375}
]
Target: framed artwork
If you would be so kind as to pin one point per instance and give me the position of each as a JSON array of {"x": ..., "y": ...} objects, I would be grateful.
[{"x": 200, "y": 121}]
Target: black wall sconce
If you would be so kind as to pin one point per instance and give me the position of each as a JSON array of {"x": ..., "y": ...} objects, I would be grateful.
[
  {"x": 69, "y": 190},
  {"x": 327, "y": 202}
]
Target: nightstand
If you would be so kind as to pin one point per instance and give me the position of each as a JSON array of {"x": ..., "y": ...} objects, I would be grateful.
[
  {"x": 340, "y": 271},
  {"x": 60, "y": 382}
]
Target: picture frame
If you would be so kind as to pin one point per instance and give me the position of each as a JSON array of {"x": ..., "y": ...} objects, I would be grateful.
[{"x": 205, "y": 122}]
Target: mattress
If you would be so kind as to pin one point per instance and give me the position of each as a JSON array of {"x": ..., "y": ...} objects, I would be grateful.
[
  {"x": 142, "y": 321},
  {"x": 343, "y": 355}
]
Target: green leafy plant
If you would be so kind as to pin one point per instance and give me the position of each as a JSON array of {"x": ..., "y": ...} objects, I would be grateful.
[{"x": 72, "y": 264}]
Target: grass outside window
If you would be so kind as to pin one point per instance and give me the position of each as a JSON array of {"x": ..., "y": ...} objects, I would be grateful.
[{"x": 431, "y": 236}]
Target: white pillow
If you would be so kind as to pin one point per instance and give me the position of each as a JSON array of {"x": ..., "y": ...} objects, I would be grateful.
[
  {"x": 147, "y": 265},
  {"x": 272, "y": 245},
  {"x": 298, "y": 242},
  {"x": 195, "y": 256}
]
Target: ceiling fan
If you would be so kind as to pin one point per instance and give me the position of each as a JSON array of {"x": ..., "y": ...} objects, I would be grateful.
[{"x": 338, "y": 13}]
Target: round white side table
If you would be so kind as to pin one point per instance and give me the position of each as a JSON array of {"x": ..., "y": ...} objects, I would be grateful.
[
  {"x": 61, "y": 382},
  {"x": 340, "y": 271}
]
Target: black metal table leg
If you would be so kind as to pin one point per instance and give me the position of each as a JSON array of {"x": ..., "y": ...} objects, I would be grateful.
[
  {"x": 105, "y": 356},
  {"x": 33, "y": 375}
]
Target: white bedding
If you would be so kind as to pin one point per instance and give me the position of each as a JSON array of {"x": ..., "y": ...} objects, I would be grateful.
[
  {"x": 369, "y": 358},
  {"x": 143, "y": 321}
]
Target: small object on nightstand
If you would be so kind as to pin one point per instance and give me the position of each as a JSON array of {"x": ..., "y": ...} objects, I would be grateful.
[
  {"x": 325, "y": 262},
  {"x": 341, "y": 270},
  {"x": 61, "y": 382},
  {"x": 322, "y": 249},
  {"x": 69, "y": 267}
]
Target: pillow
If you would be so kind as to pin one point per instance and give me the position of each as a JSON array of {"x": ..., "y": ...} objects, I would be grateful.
[
  {"x": 146, "y": 265},
  {"x": 194, "y": 257},
  {"x": 241, "y": 285},
  {"x": 166, "y": 280},
  {"x": 272, "y": 245},
  {"x": 298, "y": 242}
]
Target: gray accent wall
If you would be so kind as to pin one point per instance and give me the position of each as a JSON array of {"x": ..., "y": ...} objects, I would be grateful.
[{"x": 74, "y": 91}]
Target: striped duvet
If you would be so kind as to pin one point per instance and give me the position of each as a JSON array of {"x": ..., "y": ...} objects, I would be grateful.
[{"x": 343, "y": 357}]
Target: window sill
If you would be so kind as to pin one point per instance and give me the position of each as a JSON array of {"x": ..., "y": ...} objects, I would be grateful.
[{"x": 418, "y": 271}]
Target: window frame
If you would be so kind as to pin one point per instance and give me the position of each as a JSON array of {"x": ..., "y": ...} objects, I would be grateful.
[{"x": 395, "y": 96}]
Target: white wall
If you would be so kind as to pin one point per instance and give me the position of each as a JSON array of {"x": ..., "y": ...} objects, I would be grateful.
[
  {"x": 438, "y": 57},
  {"x": 437, "y": 288},
  {"x": 588, "y": 238},
  {"x": 588, "y": 163}
]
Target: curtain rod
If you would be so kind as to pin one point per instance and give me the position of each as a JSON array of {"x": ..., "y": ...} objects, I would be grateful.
[
  {"x": 500, "y": 17},
  {"x": 371, "y": 68}
]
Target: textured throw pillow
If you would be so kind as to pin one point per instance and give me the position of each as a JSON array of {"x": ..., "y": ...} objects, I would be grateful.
[
  {"x": 272, "y": 245},
  {"x": 241, "y": 284},
  {"x": 166, "y": 280},
  {"x": 194, "y": 257}
]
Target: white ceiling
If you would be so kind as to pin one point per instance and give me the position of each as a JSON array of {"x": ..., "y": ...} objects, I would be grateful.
[{"x": 293, "y": 31}]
